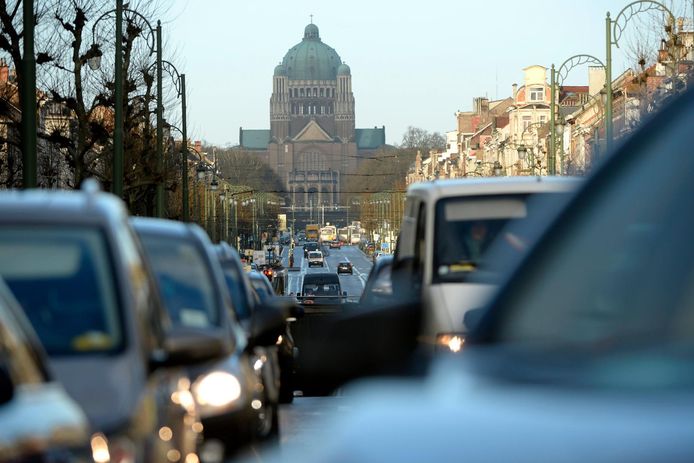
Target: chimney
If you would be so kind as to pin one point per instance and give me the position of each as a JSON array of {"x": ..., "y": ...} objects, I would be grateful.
[
  {"x": 515, "y": 90},
  {"x": 4, "y": 71}
]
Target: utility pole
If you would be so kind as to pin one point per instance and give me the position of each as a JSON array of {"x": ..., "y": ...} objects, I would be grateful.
[
  {"x": 117, "y": 163},
  {"x": 29, "y": 165}
]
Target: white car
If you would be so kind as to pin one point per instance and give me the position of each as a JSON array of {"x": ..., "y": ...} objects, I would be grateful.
[
  {"x": 446, "y": 229},
  {"x": 315, "y": 258}
]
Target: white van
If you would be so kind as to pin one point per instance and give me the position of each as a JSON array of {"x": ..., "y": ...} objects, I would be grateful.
[
  {"x": 446, "y": 228},
  {"x": 315, "y": 258}
]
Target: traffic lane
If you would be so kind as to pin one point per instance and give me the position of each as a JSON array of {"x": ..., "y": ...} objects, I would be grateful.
[{"x": 353, "y": 284}]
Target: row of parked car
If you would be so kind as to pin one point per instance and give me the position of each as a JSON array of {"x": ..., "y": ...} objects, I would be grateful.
[
  {"x": 565, "y": 334},
  {"x": 130, "y": 339}
]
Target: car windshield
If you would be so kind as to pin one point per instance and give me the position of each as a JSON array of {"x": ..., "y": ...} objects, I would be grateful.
[
  {"x": 619, "y": 273},
  {"x": 325, "y": 289},
  {"x": 63, "y": 278},
  {"x": 466, "y": 228},
  {"x": 314, "y": 255},
  {"x": 185, "y": 282}
]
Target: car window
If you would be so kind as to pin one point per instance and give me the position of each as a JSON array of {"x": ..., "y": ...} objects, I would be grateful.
[
  {"x": 237, "y": 289},
  {"x": 466, "y": 227},
  {"x": 185, "y": 281},
  {"x": 619, "y": 272},
  {"x": 62, "y": 277}
]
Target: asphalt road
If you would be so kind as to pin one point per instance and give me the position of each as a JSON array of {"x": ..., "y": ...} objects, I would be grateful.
[
  {"x": 300, "y": 421},
  {"x": 353, "y": 284}
]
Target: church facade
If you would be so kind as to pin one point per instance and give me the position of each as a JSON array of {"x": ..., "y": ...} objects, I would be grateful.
[{"x": 312, "y": 143}]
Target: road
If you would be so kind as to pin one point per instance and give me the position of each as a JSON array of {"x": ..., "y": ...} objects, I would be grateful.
[
  {"x": 353, "y": 284},
  {"x": 300, "y": 420}
]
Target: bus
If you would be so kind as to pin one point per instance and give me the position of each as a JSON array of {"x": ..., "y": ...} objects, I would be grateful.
[
  {"x": 343, "y": 234},
  {"x": 328, "y": 233},
  {"x": 355, "y": 238},
  {"x": 312, "y": 232}
]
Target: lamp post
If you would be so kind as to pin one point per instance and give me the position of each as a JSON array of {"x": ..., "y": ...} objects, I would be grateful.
[
  {"x": 523, "y": 150},
  {"x": 557, "y": 81},
  {"x": 613, "y": 32},
  {"x": 95, "y": 62},
  {"x": 28, "y": 129}
]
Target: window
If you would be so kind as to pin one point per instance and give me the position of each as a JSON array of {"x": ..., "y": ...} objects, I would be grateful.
[
  {"x": 322, "y": 92},
  {"x": 301, "y": 92},
  {"x": 543, "y": 118},
  {"x": 527, "y": 120},
  {"x": 537, "y": 94},
  {"x": 315, "y": 91}
]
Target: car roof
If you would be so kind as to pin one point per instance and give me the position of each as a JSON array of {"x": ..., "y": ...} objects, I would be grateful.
[
  {"x": 174, "y": 228},
  {"x": 56, "y": 206},
  {"x": 490, "y": 186}
]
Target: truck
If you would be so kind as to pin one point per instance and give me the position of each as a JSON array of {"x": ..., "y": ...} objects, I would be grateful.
[{"x": 312, "y": 231}]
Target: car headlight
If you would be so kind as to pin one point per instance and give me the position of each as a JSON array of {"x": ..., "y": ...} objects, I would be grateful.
[
  {"x": 454, "y": 342},
  {"x": 217, "y": 389}
]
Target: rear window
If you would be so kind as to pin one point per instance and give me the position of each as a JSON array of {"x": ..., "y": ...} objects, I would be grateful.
[
  {"x": 314, "y": 255},
  {"x": 63, "y": 278},
  {"x": 185, "y": 282}
]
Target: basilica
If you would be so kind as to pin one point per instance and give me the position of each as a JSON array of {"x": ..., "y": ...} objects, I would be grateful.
[{"x": 312, "y": 143}]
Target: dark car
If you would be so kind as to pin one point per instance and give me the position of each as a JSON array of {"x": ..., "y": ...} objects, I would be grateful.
[
  {"x": 230, "y": 395},
  {"x": 345, "y": 267},
  {"x": 335, "y": 245},
  {"x": 277, "y": 362},
  {"x": 587, "y": 351},
  {"x": 311, "y": 246},
  {"x": 34, "y": 407},
  {"x": 321, "y": 288},
  {"x": 379, "y": 286},
  {"x": 87, "y": 290}
]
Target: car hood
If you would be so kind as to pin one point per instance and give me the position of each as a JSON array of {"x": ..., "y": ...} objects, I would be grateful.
[
  {"x": 446, "y": 304},
  {"x": 108, "y": 388},
  {"x": 453, "y": 415}
]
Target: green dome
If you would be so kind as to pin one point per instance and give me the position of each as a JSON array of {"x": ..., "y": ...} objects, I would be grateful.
[
  {"x": 311, "y": 59},
  {"x": 343, "y": 70},
  {"x": 280, "y": 70}
]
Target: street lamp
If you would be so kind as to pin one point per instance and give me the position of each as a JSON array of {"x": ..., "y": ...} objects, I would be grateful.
[
  {"x": 200, "y": 171},
  {"x": 557, "y": 81},
  {"x": 180, "y": 86},
  {"x": 117, "y": 162},
  {"x": 613, "y": 32},
  {"x": 498, "y": 169}
]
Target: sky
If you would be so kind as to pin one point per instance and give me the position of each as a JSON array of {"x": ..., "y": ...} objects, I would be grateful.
[{"x": 414, "y": 63}]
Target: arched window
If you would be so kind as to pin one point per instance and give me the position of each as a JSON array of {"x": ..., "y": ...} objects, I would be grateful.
[
  {"x": 322, "y": 92},
  {"x": 301, "y": 92}
]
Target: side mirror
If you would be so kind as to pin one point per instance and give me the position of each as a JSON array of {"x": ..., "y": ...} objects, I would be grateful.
[
  {"x": 6, "y": 385},
  {"x": 187, "y": 345},
  {"x": 268, "y": 322}
]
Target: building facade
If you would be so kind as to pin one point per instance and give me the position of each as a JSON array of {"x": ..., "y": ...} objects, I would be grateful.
[{"x": 313, "y": 141}]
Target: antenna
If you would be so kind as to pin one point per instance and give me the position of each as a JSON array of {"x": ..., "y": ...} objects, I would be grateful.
[{"x": 311, "y": 19}]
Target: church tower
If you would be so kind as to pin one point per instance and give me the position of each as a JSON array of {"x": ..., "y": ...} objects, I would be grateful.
[
  {"x": 344, "y": 104},
  {"x": 279, "y": 105}
]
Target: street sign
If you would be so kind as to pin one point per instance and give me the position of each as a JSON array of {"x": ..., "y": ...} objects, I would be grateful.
[{"x": 385, "y": 246}]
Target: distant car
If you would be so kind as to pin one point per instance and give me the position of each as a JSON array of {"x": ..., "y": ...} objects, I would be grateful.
[
  {"x": 34, "y": 407},
  {"x": 321, "y": 288},
  {"x": 310, "y": 246},
  {"x": 262, "y": 286},
  {"x": 232, "y": 398},
  {"x": 335, "y": 245},
  {"x": 345, "y": 267},
  {"x": 315, "y": 258},
  {"x": 379, "y": 286},
  {"x": 87, "y": 289}
]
